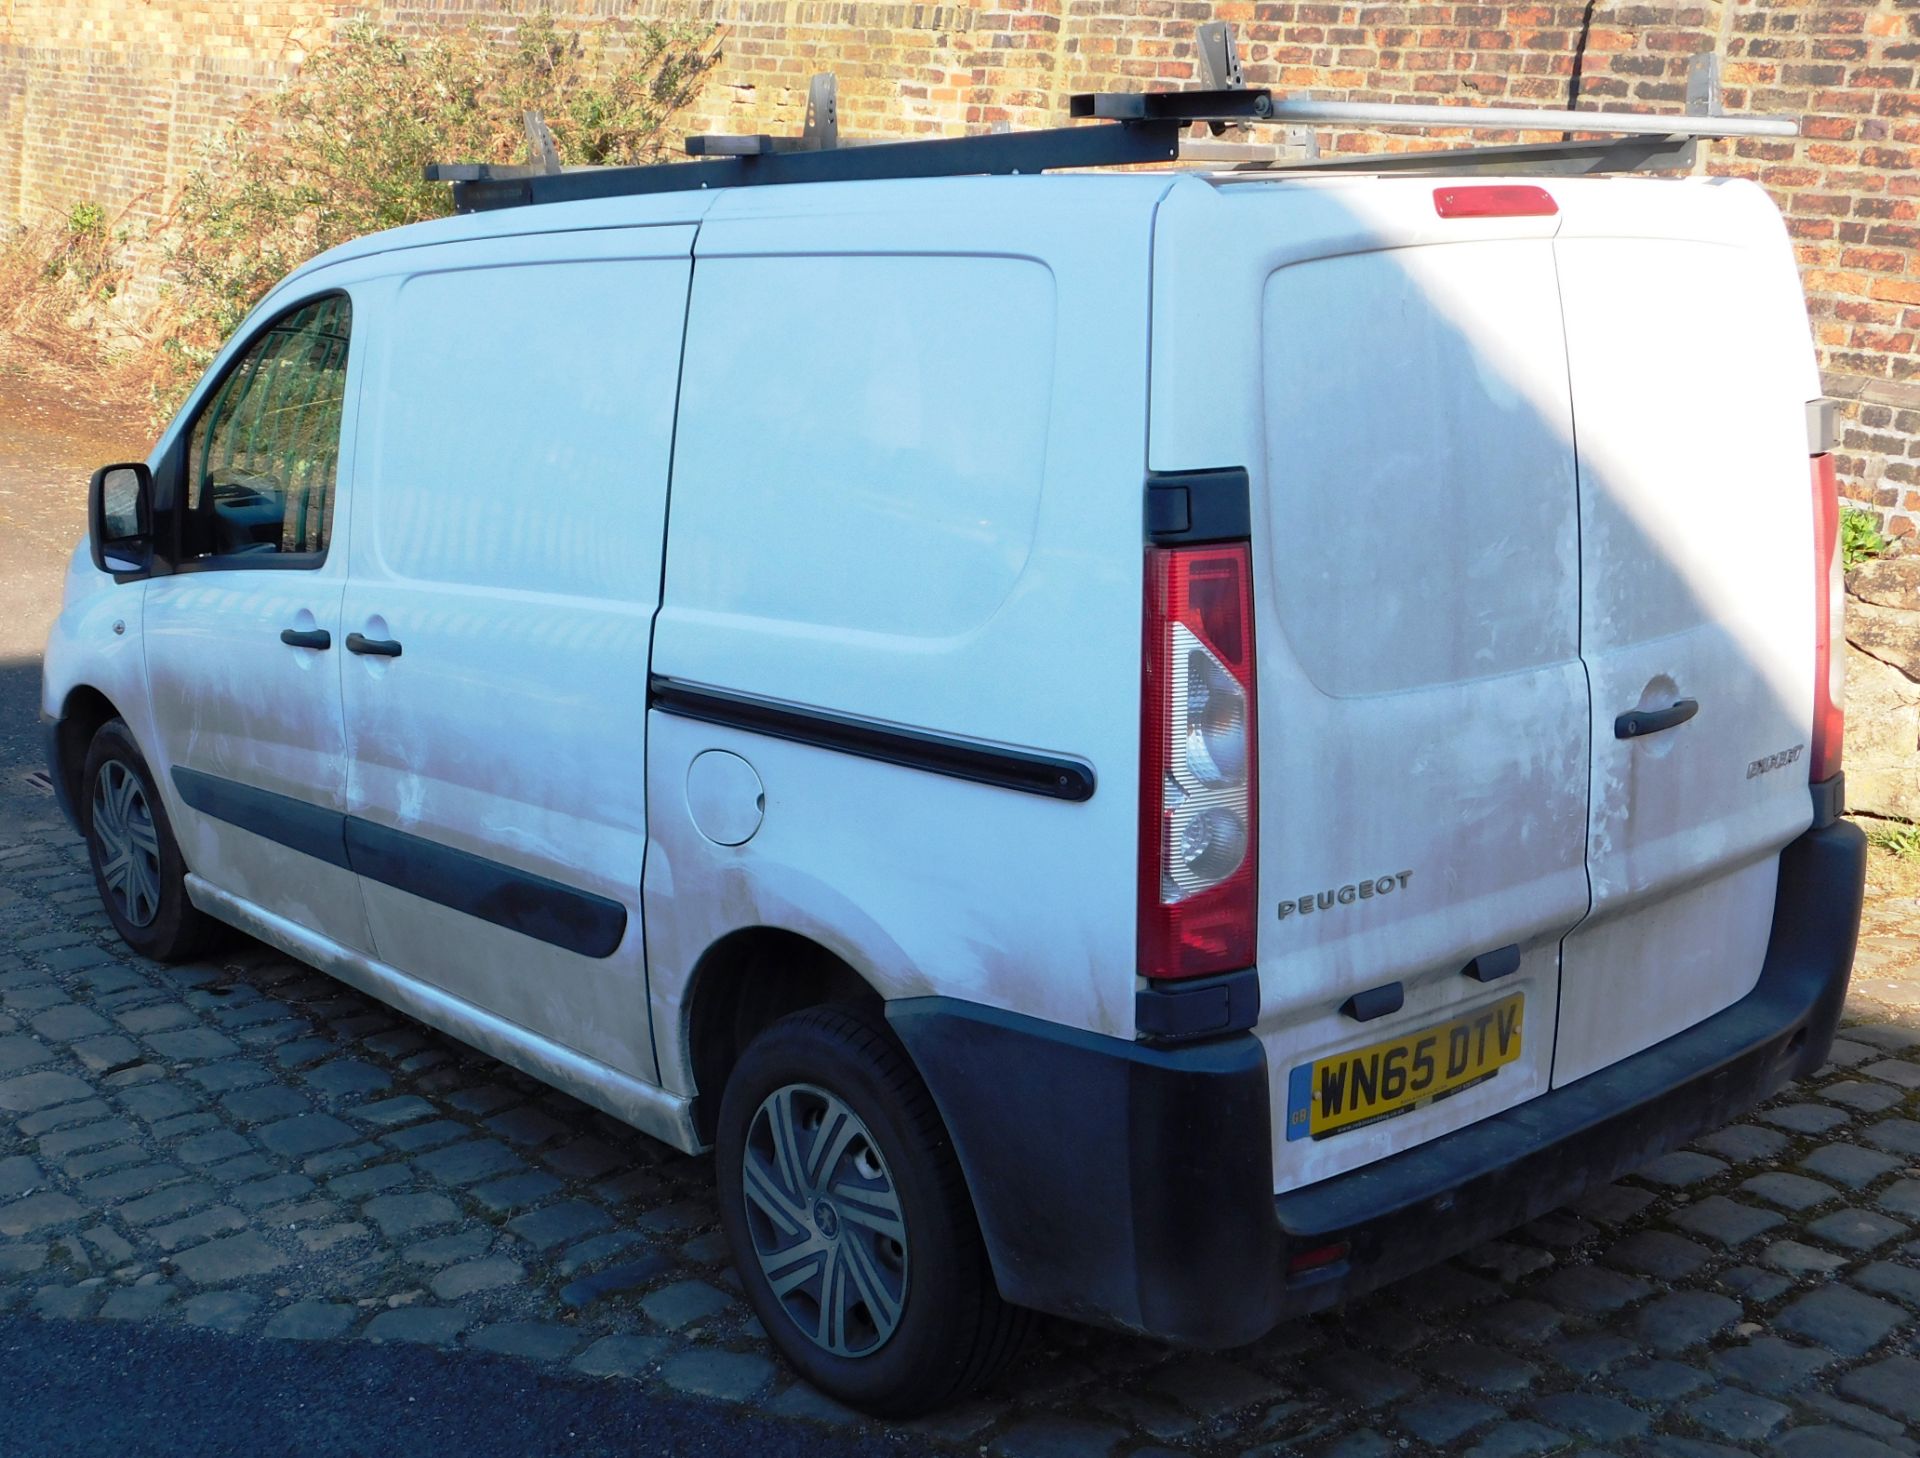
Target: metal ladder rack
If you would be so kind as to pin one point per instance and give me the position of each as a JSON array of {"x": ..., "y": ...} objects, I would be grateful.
[{"x": 1134, "y": 128}]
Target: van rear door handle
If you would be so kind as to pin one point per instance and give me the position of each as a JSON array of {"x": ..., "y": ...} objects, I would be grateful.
[
  {"x": 378, "y": 647},
  {"x": 1635, "y": 722},
  {"x": 306, "y": 638}
]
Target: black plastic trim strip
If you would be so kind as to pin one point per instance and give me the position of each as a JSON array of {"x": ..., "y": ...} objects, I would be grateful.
[
  {"x": 1375, "y": 1002},
  {"x": 1054, "y": 776},
  {"x": 309, "y": 829},
  {"x": 548, "y": 911},
  {"x": 1492, "y": 966},
  {"x": 1178, "y": 1011},
  {"x": 1829, "y": 800},
  {"x": 535, "y": 906},
  {"x": 1189, "y": 507}
]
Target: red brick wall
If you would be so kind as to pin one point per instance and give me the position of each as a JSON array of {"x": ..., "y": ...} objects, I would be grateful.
[{"x": 105, "y": 100}]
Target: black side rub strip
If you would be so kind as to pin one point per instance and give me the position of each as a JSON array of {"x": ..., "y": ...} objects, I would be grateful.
[
  {"x": 517, "y": 900},
  {"x": 1054, "y": 776},
  {"x": 546, "y": 910},
  {"x": 293, "y": 823}
]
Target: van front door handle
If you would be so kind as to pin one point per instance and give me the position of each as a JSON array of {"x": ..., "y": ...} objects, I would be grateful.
[
  {"x": 378, "y": 647},
  {"x": 306, "y": 638},
  {"x": 1635, "y": 722}
]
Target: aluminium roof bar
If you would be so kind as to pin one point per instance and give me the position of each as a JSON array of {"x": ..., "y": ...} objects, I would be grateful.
[{"x": 1260, "y": 105}]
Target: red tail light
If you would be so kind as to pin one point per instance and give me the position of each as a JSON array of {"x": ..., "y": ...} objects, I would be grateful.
[
  {"x": 1198, "y": 763},
  {"x": 1829, "y": 617}
]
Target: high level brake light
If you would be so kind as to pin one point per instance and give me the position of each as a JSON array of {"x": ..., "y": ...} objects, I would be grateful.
[
  {"x": 1198, "y": 763},
  {"x": 1829, "y": 611},
  {"x": 1494, "y": 200}
]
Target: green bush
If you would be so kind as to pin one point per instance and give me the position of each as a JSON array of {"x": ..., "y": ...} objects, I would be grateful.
[
  {"x": 1860, "y": 537},
  {"x": 339, "y": 152}
]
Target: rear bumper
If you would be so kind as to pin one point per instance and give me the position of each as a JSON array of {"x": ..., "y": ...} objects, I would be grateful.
[{"x": 1132, "y": 1186}]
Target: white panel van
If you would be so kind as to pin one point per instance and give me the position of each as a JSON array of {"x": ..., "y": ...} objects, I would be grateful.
[{"x": 1162, "y": 748}]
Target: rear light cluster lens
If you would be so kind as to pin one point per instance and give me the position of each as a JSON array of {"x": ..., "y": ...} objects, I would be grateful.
[
  {"x": 1829, "y": 621},
  {"x": 1494, "y": 200},
  {"x": 1197, "y": 763}
]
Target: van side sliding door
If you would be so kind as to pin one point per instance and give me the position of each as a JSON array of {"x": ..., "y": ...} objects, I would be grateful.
[{"x": 505, "y": 571}]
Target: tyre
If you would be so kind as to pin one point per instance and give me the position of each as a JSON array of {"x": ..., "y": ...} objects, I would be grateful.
[
  {"x": 849, "y": 1219},
  {"x": 137, "y": 868}
]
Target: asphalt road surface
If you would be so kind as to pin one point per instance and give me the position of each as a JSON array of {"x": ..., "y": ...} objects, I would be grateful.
[{"x": 165, "y": 1392}]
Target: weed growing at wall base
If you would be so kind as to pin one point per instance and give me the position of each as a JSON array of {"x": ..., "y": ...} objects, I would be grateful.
[
  {"x": 1861, "y": 539},
  {"x": 1898, "y": 838}
]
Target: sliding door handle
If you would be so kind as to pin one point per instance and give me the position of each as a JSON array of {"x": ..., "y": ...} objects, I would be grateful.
[
  {"x": 306, "y": 638},
  {"x": 378, "y": 647},
  {"x": 1635, "y": 722}
]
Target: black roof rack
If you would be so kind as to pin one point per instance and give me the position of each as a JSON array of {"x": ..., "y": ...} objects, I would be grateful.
[{"x": 1131, "y": 129}]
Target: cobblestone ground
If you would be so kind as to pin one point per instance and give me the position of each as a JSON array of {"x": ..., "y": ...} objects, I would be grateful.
[{"x": 249, "y": 1146}]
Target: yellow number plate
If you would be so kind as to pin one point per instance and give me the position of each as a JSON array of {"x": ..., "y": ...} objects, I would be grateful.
[{"x": 1345, "y": 1090}]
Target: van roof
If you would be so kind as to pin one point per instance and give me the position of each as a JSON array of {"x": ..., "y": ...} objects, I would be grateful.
[
  {"x": 661, "y": 209},
  {"x": 878, "y": 198}
]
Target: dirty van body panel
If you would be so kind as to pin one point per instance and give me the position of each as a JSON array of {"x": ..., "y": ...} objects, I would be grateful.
[
  {"x": 509, "y": 545},
  {"x": 917, "y": 509},
  {"x": 1691, "y": 364},
  {"x": 1396, "y": 385},
  {"x": 248, "y": 744},
  {"x": 1159, "y": 1218}
]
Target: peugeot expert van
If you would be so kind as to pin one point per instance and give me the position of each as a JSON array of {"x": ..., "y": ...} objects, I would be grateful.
[{"x": 1155, "y": 747}]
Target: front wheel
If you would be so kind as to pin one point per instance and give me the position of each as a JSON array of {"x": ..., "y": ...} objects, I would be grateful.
[
  {"x": 137, "y": 866},
  {"x": 850, "y": 1222}
]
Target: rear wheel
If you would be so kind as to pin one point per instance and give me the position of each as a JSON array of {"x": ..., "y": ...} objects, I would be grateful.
[
  {"x": 137, "y": 867},
  {"x": 850, "y": 1222}
]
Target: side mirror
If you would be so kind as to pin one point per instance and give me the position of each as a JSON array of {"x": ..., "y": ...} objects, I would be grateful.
[{"x": 120, "y": 518}]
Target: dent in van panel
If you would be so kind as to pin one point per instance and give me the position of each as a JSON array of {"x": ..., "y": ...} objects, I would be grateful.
[
  {"x": 894, "y": 406},
  {"x": 1420, "y": 465}
]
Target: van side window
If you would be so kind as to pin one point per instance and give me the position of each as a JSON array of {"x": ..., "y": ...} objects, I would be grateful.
[{"x": 265, "y": 451}]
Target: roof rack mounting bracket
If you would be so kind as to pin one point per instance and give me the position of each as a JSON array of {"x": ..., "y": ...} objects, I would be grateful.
[
  {"x": 1219, "y": 57},
  {"x": 1219, "y": 62},
  {"x": 822, "y": 128},
  {"x": 543, "y": 153},
  {"x": 819, "y": 133},
  {"x": 1220, "y": 70},
  {"x": 1703, "y": 85}
]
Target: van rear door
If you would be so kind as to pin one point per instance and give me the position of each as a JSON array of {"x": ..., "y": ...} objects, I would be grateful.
[
  {"x": 1394, "y": 382},
  {"x": 1688, "y": 350}
]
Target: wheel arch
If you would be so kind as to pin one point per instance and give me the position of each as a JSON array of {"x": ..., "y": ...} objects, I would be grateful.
[
  {"x": 82, "y": 714},
  {"x": 745, "y": 981}
]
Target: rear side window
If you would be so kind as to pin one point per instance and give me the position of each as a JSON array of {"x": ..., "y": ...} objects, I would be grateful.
[
  {"x": 863, "y": 440},
  {"x": 265, "y": 451}
]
